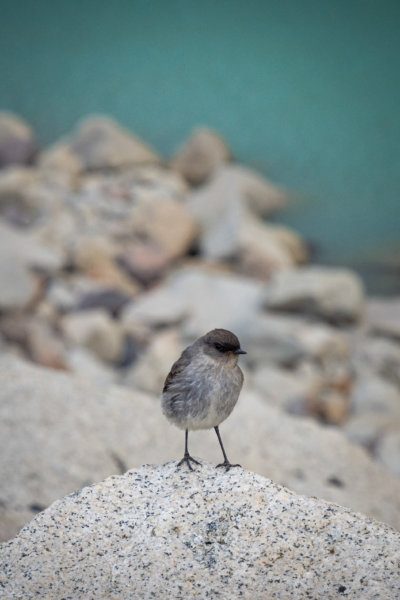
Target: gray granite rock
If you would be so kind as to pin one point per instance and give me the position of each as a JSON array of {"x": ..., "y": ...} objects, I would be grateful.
[
  {"x": 59, "y": 433},
  {"x": 161, "y": 532},
  {"x": 333, "y": 294},
  {"x": 17, "y": 140}
]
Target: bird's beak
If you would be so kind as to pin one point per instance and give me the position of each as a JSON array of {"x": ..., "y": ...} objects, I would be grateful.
[{"x": 240, "y": 351}]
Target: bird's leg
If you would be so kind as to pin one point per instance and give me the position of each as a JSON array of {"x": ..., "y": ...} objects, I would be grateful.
[
  {"x": 186, "y": 457},
  {"x": 226, "y": 462}
]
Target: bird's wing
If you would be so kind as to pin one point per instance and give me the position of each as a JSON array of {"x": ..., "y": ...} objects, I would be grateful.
[{"x": 178, "y": 366}]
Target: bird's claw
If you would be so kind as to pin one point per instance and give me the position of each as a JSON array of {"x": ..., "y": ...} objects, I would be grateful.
[
  {"x": 227, "y": 465},
  {"x": 186, "y": 459}
]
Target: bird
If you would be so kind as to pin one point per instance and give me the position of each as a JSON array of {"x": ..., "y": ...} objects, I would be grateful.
[{"x": 203, "y": 386}]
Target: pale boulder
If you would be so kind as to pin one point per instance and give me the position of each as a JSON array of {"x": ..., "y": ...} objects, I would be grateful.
[{"x": 333, "y": 294}]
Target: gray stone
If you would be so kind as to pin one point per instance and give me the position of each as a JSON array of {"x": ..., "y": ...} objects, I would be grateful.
[
  {"x": 166, "y": 224},
  {"x": 17, "y": 204},
  {"x": 287, "y": 339},
  {"x": 379, "y": 356},
  {"x": 220, "y": 207},
  {"x": 100, "y": 142},
  {"x": 61, "y": 158},
  {"x": 365, "y": 429},
  {"x": 17, "y": 140},
  {"x": 199, "y": 299},
  {"x": 388, "y": 450},
  {"x": 201, "y": 155},
  {"x": 292, "y": 391},
  {"x": 96, "y": 257},
  {"x": 383, "y": 316},
  {"x": 27, "y": 250},
  {"x": 20, "y": 255},
  {"x": 17, "y": 283},
  {"x": 150, "y": 371},
  {"x": 264, "y": 249},
  {"x": 84, "y": 363},
  {"x": 333, "y": 294},
  {"x": 374, "y": 395},
  {"x": 256, "y": 192},
  {"x": 59, "y": 433},
  {"x": 96, "y": 330},
  {"x": 159, "y": 532}
]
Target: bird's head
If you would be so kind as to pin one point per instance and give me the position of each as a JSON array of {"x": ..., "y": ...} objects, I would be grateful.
[{"x": 222, "y": 344}]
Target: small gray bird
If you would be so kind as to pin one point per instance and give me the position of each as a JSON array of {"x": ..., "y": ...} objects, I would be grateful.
[{"x": 203, "y": 387}]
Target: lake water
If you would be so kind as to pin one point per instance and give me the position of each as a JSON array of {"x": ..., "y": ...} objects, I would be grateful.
[{"x": 307, "y": 92}]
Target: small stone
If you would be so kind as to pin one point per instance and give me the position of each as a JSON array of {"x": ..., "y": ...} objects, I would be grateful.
[
  {"x": 83, "y": 363},
  {"x": 372, "y": 394},
  {"x": 16, "y": 204},
  {"x": 383, "y": 317},
  {"x": 61, "y": 158},
  {"x": 201, "y": 155},
  {"x": 113, "y": 301},
  {"x": 166, "y": 225},
  {"x": 220, "y": 300},
  {"x": 144, "y": 261},
  {"x": 378, "y": 355},
  {"x": 291, "y": 390},
  {"x": 151, "y": 370},
  {"x": 18, "y": 287},
  {"x": 286, "y": 340},
  {"x": 101, "y": 143},
  {"x": 17, "y": 140},
  {"x": 265, "y": 249},
  {"x": 96, "y": 330},
  {"x": 332, "y": 407},
  {"x": 44, "y": 347},
  {"x": 388, "y": 450},
  {"x": 332, "y": 294},
  {"x": 96, "y": 257},
  {"x": 365, "y": 429},
  {"x": 220, "y": 206}
]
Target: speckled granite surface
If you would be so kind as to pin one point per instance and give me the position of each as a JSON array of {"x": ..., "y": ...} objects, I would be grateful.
[{"x": 159, "y": 532}]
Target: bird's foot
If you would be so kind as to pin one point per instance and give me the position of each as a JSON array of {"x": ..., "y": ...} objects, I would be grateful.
[
  {"x": 227, "y": 465},
  {"x": 186, "y": 459}
]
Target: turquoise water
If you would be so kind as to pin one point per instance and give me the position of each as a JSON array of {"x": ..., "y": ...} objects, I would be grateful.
[{"x": 306, "y": 91}]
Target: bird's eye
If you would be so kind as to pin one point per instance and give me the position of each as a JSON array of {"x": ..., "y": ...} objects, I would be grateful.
[{"x": 220, "y": 347}]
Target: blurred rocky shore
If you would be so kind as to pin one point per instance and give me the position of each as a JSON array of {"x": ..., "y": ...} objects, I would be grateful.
[{"x": 113, "y": 259}]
